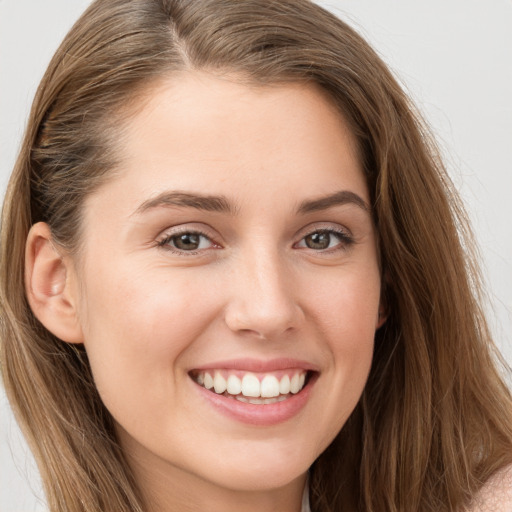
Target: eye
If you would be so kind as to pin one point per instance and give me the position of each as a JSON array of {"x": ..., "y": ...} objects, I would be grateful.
[
  {"x": 187, "y": 241},
  {"x": 325, "y": 239}
]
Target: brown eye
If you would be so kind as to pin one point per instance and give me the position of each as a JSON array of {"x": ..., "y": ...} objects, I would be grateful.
[
  {"x": 318, "y": 240},
  {"x": 325, "y": 240},
  {"x": 187, "y": 242}
]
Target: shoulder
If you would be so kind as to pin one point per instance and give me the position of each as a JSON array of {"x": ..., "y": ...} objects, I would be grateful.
[{"x": 496, "y": 494}]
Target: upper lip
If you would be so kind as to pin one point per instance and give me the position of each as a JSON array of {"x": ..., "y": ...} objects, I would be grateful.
[{"x": 259, "y": 365}]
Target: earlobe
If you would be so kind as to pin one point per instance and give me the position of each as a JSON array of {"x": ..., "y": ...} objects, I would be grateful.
[
  {"x": 382, "y": 317},
  {"x": 48, "y": 285},
  {"x": 383, "y": 312}
]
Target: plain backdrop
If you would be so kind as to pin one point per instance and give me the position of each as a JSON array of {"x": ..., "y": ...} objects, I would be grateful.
[{"x": 454, "y": 57}]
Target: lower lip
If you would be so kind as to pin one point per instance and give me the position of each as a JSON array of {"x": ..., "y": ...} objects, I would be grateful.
[{"x": 259, "y": 414}]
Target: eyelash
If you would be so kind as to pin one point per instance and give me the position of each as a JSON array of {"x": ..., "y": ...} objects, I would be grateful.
[
  {"x": 345, "y": 241},
  {"x": 166, "y": 241}
]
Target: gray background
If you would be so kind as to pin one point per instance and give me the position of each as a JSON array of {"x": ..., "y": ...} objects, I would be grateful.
[{"x": 453, "y": 56}]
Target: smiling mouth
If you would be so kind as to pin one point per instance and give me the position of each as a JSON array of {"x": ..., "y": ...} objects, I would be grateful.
[{"x": 253, "y": 388}]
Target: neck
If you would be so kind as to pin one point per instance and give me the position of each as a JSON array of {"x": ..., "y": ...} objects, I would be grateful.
[{"x": 166, "y": 498}]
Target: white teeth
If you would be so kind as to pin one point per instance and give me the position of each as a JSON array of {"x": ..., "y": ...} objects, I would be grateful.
[
  {"x": 284, "y": 385},
  {"x": 234, "y": 385},
  {"x": 249, "y": 389},
  {"x": 275, "y": 400},
  {"x": 219, "y": 383},
  {"x": 260, "y": 401},
  {"x": 250, "y": 385},
  {"x": 269, "y": 386},
  {"x": 208, "y": 381},
  {"x": 295, "y": 384}
]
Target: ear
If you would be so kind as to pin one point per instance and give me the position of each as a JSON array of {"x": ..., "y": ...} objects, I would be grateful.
[
  {"x": 49, "y": 287},
  {"x": 382, "y": 316},
  {"x": 383, "y": 305}
]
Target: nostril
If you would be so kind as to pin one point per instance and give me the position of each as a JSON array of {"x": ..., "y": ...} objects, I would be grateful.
[{"x": 262, "y": 324}]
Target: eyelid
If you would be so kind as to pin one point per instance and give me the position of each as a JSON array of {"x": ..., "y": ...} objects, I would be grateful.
[
  {"x": 323, "y": 226},
  {"x": 344, "y": 234},
  {"x": 168, "y": 234}
]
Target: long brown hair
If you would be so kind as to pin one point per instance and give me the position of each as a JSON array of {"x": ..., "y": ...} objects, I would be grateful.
[{"x": 434, "y": 422}]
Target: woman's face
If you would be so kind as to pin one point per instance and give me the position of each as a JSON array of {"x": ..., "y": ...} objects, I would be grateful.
[{"x": 235, "y": 249}]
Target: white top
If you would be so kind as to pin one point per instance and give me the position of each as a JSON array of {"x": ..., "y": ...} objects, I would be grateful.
[{"x": 305, "y": 498}]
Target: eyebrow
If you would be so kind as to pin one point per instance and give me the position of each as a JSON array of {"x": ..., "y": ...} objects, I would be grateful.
[
  {"x": 221, "y": 204},
  {"x": 337, "y": 199},
  {"x": 200, "y": 202}
]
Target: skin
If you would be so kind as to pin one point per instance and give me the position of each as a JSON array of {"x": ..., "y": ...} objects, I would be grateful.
[{"x": 149, "y": 313}]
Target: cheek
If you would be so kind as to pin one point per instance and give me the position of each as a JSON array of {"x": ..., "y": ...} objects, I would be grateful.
[
  {"x": 135, "y": 330},
  {"x": 146, "y": 308},
  {"x": 351, "y": 328},
  {"x": 346, "y": 304},
  {"x": 346, "y": 312}
]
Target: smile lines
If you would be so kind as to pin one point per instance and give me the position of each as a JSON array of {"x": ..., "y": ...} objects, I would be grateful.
[{"x": 251, "y": 388}]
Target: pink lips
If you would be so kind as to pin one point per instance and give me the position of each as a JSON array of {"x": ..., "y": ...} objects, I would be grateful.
[
  {"x": 259, "y": 414},
  {"x": 259, "y": 366}
]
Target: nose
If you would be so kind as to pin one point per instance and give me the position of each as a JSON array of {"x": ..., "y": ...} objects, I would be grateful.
[{"x": 263, "y": 297}]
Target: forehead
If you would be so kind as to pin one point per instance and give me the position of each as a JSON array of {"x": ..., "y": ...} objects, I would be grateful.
[{"x": 217, "y": 135}]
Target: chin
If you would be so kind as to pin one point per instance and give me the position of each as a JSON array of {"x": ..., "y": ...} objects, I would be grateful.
[{"x": 262, "y": 472}]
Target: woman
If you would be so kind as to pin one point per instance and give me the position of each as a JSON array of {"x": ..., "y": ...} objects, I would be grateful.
[{"x": 223, "y": 276}]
